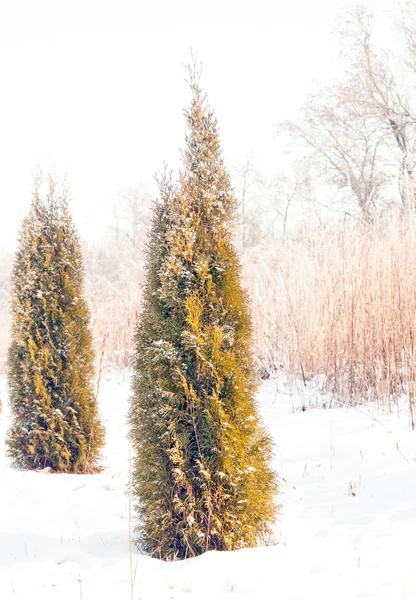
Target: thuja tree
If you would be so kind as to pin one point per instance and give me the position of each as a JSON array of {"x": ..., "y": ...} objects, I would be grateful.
[
  {"x": 54, "y": 417},
  {"x": 201, "y": 475}
]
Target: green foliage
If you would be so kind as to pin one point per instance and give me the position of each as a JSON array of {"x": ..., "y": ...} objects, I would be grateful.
[
  {"x": 55, "y": 423},
  {"x": 201, "y": 476}
]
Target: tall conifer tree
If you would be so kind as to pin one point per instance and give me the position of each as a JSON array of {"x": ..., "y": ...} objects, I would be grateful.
[
  {"x": 54, "y": 418},
  {"x": 201, "y": 476}
]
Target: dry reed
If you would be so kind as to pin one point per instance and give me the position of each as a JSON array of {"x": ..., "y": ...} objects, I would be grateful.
[{"x": 341, "y": 304}]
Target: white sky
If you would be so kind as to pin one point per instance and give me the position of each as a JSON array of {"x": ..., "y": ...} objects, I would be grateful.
[{"x": 96, "y": 88}]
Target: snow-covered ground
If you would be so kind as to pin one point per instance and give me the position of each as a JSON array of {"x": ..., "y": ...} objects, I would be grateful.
[{"x": 347, "y": 527}]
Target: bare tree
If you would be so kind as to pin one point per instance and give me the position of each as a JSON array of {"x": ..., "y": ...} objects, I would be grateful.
[
  {"x": 266, "y": 202},
  {"x": 286, "y": 195},
  {"x": 377, "y": 89},
  {"x": 342, "y": 149},
  {"x": 131, "y": 217},
  {"x": 249, "y": 189},
  {"x": 360, "y": 131}
]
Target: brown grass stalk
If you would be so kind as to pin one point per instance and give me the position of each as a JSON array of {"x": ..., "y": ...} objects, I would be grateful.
[{"x": 341, "y": 304}]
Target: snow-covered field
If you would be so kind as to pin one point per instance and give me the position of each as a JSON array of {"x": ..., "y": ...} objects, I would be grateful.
[{"x": 347, "y": 527}]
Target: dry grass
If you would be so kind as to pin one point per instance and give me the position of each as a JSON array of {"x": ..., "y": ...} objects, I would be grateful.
[
  {"x": 115, "y": 312},
  {"x": 113, "y": 284},
  {"x": 5, "y": 270},
  {"x": 341, "y": 304},
  {"x": 338, "y": 303}
]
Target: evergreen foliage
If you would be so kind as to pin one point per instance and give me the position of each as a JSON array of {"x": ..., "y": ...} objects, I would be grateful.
[
  {"x": 201, "y": 475},
  {"x": 55, "y": 423}
]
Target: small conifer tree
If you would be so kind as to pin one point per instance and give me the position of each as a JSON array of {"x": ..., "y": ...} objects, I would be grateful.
[
  {"x": 201, "y": 475},
  {"x": 54, "y": 418}
]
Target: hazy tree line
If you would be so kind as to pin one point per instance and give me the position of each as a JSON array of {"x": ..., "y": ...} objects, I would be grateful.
[{"x": 352, "y": 152}]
